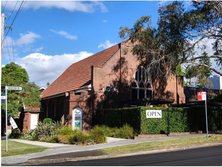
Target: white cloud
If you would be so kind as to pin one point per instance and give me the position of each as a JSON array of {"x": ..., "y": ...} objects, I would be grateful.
[
  {"x": 26, "y": 39},
  {"x": 105, "y": 21},
  {"x": 107, "y": 44},
  {"x": 43, "y": 68},
  {"x": 39, "y": 49},
  {"x": 72, "y": 6},
  {"x": 65, "y": 34}
]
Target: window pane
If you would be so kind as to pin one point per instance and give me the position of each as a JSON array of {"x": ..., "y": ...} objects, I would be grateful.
[
  {"x": 149, "y": 94},
  {"x": 141, "y": 94},
  {"x": 147, "y": 76},
  {"x": 148, "y": 85},
  {"x": 134, "y": 85},
  {"x": 144, "y": 74},
  {"x": 136, "y": 76},
  {"x": 142, "y": 85},
  {"x": 134, "y": 94},
  {"x": 140, "y": 74}
]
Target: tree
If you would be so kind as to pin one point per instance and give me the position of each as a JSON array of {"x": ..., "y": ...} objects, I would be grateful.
[
  {"x": 31, "y": 95},
  {"x": 190, "y": 72},
  {"x": 48, "y": 84},
  {"x": 15, "y": 75},
  {"x": 204, "y": 72},
  {"x": 179, "y": 31}
]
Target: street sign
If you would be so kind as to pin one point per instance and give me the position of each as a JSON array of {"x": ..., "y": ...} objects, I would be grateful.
[
  {"x": 3, "y": 97},
  {"x": 13, "y": 88},
  {"x": 11, "y": 121},
  {"x": 201, "y": 95}
]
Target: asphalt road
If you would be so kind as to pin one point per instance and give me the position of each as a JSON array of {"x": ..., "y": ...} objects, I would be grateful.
[{"x": 207, "y": 156}]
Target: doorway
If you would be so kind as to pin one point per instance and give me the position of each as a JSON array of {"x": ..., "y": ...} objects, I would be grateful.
[{"x": 34, "y": 121}]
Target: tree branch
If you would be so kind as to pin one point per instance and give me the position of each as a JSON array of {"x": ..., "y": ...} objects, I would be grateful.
[{"x": 193, "y": 62}]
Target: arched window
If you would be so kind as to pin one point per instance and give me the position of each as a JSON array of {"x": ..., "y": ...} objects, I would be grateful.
[{"x": 141, "y": 86}]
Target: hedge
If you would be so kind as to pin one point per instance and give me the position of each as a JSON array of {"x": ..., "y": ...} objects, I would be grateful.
[{"x": 173, "y": 119}]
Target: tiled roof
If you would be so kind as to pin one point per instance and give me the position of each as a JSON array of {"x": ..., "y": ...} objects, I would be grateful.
[{"x": 78, "y": 75}]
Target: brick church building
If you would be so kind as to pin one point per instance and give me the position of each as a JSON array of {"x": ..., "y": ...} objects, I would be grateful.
[{"x": 109, "y": 79}]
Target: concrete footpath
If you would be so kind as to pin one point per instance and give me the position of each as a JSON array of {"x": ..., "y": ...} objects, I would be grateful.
[{"x": 63, "y": 152}]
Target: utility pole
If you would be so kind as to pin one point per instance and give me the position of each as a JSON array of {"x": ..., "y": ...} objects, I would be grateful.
[{"x": 2, "y": 38}]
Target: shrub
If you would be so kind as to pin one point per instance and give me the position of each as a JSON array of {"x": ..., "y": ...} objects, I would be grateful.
[
  {"x": 78, "y": 137},
  {"x": 15, "y": 134},
  {"x": 98, "y": 135},
  {"x": 47, "y": 120},
  {"x": 30, "y": 135},
  {"x": 42, "y": 131},
  {"x": 83, "y": 138},
  {"x": 53, "y": 139},
  {"x": 109, "y": 132},
  {"x": 64, "y": 131},
  {"x": 126, "y": 132},
  {"x": 72, "y": 138}
]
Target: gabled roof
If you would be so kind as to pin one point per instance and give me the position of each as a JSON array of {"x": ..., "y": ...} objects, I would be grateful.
[{"x": 78, "y": 75}]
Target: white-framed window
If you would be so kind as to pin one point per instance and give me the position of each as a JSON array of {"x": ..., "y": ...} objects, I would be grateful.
[{"x": 141, "y": 85}]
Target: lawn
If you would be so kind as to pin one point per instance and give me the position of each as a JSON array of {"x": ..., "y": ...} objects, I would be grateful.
[
  {"x": 161, "y": 144},
  {"x": 15, "y": 148}
]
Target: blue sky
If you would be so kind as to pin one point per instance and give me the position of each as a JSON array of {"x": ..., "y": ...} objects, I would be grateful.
[{"x": 48, "y": 36}]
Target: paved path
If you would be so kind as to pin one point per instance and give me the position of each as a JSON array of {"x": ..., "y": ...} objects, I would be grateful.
[{"x": 56, "y": 148}]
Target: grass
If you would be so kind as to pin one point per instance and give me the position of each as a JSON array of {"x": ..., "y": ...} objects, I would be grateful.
[
  {"x": 15, "y": 148},
  {"x": 161, "y": 144}
]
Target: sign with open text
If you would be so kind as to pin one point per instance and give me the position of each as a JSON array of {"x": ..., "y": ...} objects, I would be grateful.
[{"x": 153, "y": 113}]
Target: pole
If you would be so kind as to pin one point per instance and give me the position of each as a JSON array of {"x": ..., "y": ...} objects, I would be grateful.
[
  {"x": 2, "y": 36},
  {"x": 6, "y": 119},
  {"x": 206, "y": 116}
]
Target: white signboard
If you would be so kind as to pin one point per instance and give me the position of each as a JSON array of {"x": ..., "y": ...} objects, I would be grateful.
[
  {"x": 12, "y": 122},
  {"x": 153, "y": 113},
  {"x": 13, "y": 88},
  {"x": 3, "y": 97}
]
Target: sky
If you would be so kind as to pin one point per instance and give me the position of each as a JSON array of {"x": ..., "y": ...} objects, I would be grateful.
[{"x": 48, "y": 36}]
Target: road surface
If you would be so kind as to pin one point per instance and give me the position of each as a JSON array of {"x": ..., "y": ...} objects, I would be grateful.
[{"x": 207, "y": 156}]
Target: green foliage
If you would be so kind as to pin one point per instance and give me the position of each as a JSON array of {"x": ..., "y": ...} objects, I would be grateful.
[
  {"x": 15, "y": 134},
  {"x": 217, "y": 98},
  {"x": 78, "y": 137},
  {"x": 125, "y": 132},
  {"x": 173, "y": 120},
  {"x": 178, "y": 70},
  {"x": 180, "y": 31},
  {"x": 55, "y": 132},
  {"x": 30, "y": 135},
  {"x": 64, "y": 131},
  {"x": 98, "y": 135},
  {"x": 119, "y": 117},
  {"x": 31, "y": 94},
  {"x": 43, "y": 131},
  {"x": 15, "y": 75},
  {"x": 47, "y": 120}
]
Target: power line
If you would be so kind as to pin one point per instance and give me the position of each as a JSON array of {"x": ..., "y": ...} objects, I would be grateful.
[
  {"x": 4, "y": 7},
  {"x": 12, "y": 12},
  {"x": 8, "y": 51},
  {"x": 14, "y": 19},
  {"x": 13, "y": 56}
]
